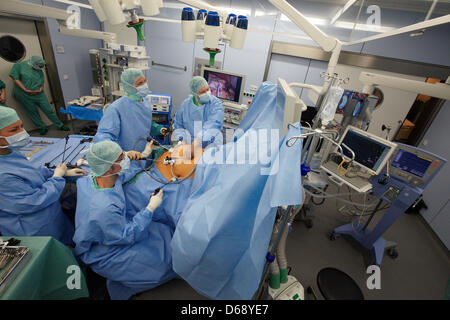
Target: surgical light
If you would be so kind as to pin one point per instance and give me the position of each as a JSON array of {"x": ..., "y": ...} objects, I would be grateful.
[
  {"x": 150, "y": 7},
  {"x": 98, "y": 10},
  {"x": 188, "y": 25},
  {"x": 239, "y": 33},
  {"x": 213, "y": 27},
  {"x": 129, "y": 4},
  {"x": 113, "y": 11},
  {"x": 213, "y": 31},
  {"x": 201, "y": 15},
  {"x": 229, "y": 25}
]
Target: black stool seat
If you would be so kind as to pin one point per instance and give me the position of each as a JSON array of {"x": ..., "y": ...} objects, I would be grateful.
[{"x": 337, "y": 285}]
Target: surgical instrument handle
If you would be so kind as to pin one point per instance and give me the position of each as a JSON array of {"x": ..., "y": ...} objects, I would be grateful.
[{"x": 48, "y": 163}]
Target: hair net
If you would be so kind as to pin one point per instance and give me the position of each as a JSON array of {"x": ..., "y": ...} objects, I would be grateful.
[
  {"x": 128, "y": 78},
  {"x": 7, "y": 117},
  {"x": 102, "y": 155},
  {"x": 197, "y": 83},
  {"x": 37, "y": 61}
]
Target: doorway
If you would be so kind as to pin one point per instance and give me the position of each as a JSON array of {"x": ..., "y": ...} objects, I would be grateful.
[
  {"x": 419, "y": 118},
  {"x": 30, "y": 34}
]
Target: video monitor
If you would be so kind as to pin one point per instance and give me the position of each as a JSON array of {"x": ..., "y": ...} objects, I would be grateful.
[{"x": 224, "y": 85}]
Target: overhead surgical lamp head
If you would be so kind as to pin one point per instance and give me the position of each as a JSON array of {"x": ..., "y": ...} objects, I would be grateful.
[
  {"x": 98, "y": 10},
  {"x": 128, "y": 4},
  {"x": 229, "y": 25},
  {"x": 188, "y": 25},
  {"x": 113, "y": 11},
  {"x": 213, "y": 31},
  {"x": 201, "y": 16},
  {"x": 239, "y": 33},
  {"x": 151, "y": 7}
]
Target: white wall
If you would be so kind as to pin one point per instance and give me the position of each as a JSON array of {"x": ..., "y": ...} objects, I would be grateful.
[{"x": 437, "y": 195}]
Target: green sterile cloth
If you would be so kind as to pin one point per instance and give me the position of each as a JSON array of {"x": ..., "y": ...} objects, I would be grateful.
[{"x": 44, "y": 276}]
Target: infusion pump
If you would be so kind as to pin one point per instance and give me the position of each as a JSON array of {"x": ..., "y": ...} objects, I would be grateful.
[{"x": 234, "y": 113}]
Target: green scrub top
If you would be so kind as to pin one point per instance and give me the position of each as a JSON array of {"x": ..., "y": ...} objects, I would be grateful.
[
  {"x": 2, "y": 86},
  {"x": 32, "y": 79}
]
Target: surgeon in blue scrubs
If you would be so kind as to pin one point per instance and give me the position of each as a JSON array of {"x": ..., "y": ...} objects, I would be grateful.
[
  {"x": 29, "y": 194},
  {"x": 132, "y": 252},
  {"x": 201, "y": 115},
  {"x": 130, "y": 117}
]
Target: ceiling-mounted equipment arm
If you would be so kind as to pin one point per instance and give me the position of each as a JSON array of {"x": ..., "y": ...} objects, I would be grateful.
[
  {"x": 325, "y": 42},
  {"x": 437, "y": 90},
  {"x": 86, "y": 33},
  {"x": 33, "y": 10}
]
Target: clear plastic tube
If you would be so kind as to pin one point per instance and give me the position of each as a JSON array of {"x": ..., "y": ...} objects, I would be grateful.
[{"x": 336, "y": 196}]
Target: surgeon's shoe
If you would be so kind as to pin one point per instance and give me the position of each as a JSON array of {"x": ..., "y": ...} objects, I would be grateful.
[
  {"x": 64, "y": 128},
  {"x": 43, "y": 131}
]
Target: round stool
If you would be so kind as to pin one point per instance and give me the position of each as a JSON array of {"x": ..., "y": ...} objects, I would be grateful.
[{"x": 337, "y": 285}]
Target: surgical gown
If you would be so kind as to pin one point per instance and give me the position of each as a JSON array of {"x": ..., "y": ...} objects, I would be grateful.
[
  {"x": 29, "y": 200},
  {"x": 222, "y": 237},
  {"x": 133, "y": 254},
  {"x": 209, "y": 115},
  {"x": 32, "y": 80},
  {"x": 125, "y": 121},
  {"x": 138, "y": 191}
]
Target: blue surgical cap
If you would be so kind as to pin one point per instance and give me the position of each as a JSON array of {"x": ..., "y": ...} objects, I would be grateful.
[
  {"x": 7, "y": 117},
  {"x": 102, "y": 155},
  {"x": 128, "y": 78},
  {"x": 37, "y": 61},
  {"x": 197, "y": 83}
]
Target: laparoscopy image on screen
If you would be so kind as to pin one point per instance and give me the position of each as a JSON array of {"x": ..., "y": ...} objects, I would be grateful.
[{"x": 224, "y": 86}]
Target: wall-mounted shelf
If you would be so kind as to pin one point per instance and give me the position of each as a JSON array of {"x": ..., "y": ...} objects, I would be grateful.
[
  {"x": 125, "y": 67},
  {"x": 125, "y": 56}
]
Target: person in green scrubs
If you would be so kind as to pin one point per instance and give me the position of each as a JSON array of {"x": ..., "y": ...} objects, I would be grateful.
[
  {"x": 2, "y": 93},
  {"x": 28, "y": 89}
]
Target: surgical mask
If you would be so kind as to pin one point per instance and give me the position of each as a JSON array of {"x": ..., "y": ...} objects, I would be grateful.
[
  {"x": 125, "y": 165},
  {"x": 18, "y": 140},
  {"x": 205, "y": 98},
  {"x": 143, "y": 91}
]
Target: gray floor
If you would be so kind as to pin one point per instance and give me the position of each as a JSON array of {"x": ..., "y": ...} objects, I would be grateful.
[
  {"x": 54, "y": 132},
  {"x": 421, "y": 271}
]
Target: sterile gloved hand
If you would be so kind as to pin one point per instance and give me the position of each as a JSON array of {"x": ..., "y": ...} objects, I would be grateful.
[
  {"x": 77, "y": 172},
  {"x": 133, "y": 155},
  {"x": 155, "y": 201},
  {"x": 60, "y": 170},
  {"x": 148, "y": 149}
]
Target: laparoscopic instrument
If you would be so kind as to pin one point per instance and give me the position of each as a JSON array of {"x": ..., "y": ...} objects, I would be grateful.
[
  {"x": 69, "y": 164},
  {"x": 168, "y": 161}
]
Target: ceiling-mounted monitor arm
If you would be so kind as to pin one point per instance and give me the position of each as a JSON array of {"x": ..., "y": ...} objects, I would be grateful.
[
  {"x": 437, "y": 90},
  {"x": 36, "y": 10},
  {"x": 326, "y": 42}
]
